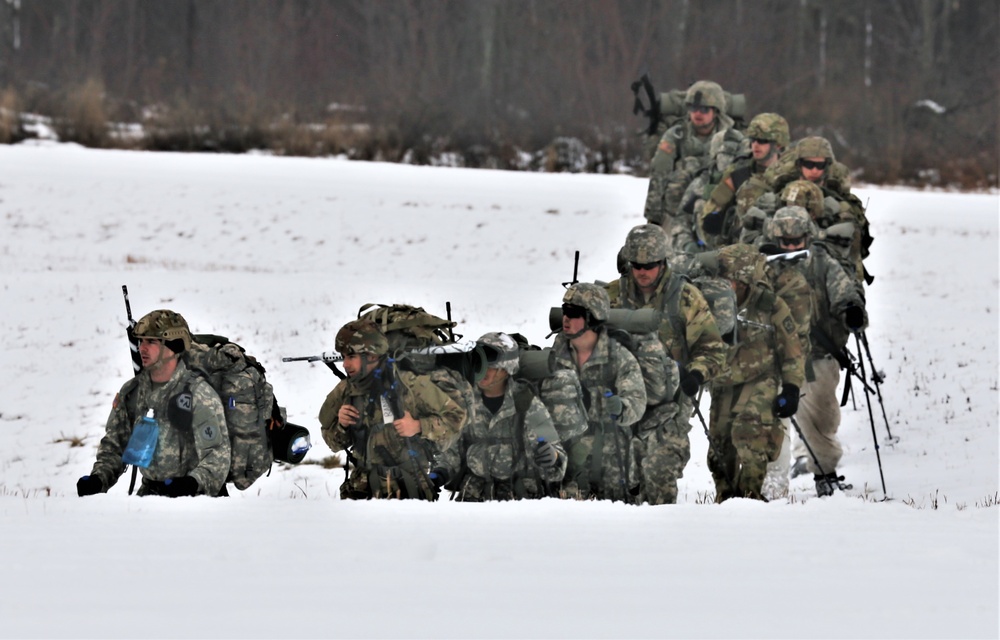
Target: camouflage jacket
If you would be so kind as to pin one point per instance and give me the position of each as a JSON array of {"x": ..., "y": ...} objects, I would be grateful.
[
  {"x": 200, "y": 449},
  {"x": 373, "y": 442},
  {"x": 766, "y": 343},
  {"x": 610, "y": 370},
  {"x": 833, "y": 291},
  {"x": 500, "y": 446},
  {"x": 700, "y": 348}
]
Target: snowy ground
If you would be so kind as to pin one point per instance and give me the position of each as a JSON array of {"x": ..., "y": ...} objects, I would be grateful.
[{"x": 277, "y": 253}]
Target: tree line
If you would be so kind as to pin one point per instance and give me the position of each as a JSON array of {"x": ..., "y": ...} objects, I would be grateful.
[{"x": 907, "y": 90}]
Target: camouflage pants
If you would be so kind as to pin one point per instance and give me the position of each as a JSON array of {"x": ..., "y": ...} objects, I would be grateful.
[
  {"x": 601, "y": 466},
  {"x": 744, "y": 436},
  {"x": 776, "y": 480},
  {"x": 476, "y": 489},
  {"x": 662, "y": 450},
  {"x": 819, "y": 417}
]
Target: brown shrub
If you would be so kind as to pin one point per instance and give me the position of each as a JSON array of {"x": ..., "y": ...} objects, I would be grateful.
[{"x": 84, "y": 119}]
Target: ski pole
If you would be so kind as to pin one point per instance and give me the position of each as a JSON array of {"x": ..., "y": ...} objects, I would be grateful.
[
  {"x": 838, "y": 479},
  {"x": 877, "y": 378},
  {"x": 871, "y": 419}
]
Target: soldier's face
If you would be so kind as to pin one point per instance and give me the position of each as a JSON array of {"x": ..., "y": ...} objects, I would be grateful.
[
  {"x": 813, "y": 169},
  {"x": 760, "y": 149},
  {"x": 358, "y": 363},
  {"x": 701, "y": 117},
  {"x": 645, "y": 275},
  {"x": 573, "y": 325},
  {"x": 493, "y": 378},
  {"x": 152, "y": 351}
]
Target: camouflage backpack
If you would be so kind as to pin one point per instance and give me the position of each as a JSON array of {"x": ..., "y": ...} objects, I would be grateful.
[
  {"x": 258, "y": 431},
  {"x": 409, "y": 329}
]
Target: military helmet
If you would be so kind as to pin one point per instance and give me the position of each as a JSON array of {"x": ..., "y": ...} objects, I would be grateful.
[
  {"x": 361, "y": 336},
  {"x": 645, "y": 244},
  {"x": 706, "y": 93},
  {"x": 741, "y": 262},
  {"x": 166, "y": 325},
  {"x": 791, "y": 222},
  {"x": 591, "y": 297},
  {"x": 501, "y": 351},
  {"x": 805, "y": 194},
  {"x": 769, "y": 126},
  {"x": 814, "y": 147}
]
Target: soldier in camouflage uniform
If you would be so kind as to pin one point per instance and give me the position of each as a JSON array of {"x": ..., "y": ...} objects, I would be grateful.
[
  {"x": 192, "y": 452},
  {"x": 838, "y": 308},
  {"x": 601, "y": 460},
  {"x": 511, "y": 449},
  {"x": 683, "y": 151},
  {"x": 813, "y": 160},
  {"x": 690, "y": 334},
  {"x": 744, "y": 432},
  {"x": 718, "y": 220},
  {"x": 390, "y": 421}
]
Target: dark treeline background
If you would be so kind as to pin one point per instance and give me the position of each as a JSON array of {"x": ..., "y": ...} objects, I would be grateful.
[{"x": 493, "y": 75}]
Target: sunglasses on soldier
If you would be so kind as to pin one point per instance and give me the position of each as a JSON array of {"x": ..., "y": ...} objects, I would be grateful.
[
  {"x": 811, "y": 164},
  {"x": 573, "y": 311},
  {"x": 792, "y": 242},
  {"x": 698, "y": 109},
  {"x": 760, "y": 141},
  {"x": 644, "y": 266}
]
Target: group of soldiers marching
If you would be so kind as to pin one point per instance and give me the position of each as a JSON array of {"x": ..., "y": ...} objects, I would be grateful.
[
  {"x": 750, "y": 270},
  {"x": 753, "y": 258}
]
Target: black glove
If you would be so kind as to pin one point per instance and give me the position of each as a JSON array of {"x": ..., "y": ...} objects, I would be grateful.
[
  {"x": 546, "y": 455},
  {"x": 787, "y": 402},
  {"x": 178, "y": 487},
  {"x": 712, "y": 223},
  {"x": 88, "y": 486},
  {"x": 854, "y": 317},
  {"x": 439, "y": 477},
  {"x": 691, "y": 381}
]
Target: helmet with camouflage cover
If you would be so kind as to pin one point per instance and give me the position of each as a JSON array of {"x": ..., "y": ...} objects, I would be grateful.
[
  {"x": 814, "y": 147},
  {"x": 769, "y": 126},
  {"x": 805, "y": 194},
  {"x": 361, "y": 336},
  {"x": 591, "y": 297},
  {"x": 645, "y": 244},
  {"x": 791, "y": 222},
  {"x": 706, "y": 93},
  {"x": 501, "y": 351},
  {"x": 741, "y": 263},
  {"x": 166, "y": 325}
]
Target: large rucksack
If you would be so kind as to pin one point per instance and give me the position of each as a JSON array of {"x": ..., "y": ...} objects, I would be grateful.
[
  {"x": 559, "y": 390},
  {"x": 413, "y": 335},
  {"x": 258, "y": 431}
]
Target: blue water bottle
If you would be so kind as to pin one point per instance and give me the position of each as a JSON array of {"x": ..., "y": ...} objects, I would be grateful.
[{"x": 141, "y": 446}]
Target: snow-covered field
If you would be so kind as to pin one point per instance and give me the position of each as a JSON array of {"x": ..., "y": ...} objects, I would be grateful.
[{"x": 277, "y": 253}]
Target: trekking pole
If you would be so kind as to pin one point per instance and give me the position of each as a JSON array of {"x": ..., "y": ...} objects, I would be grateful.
[
  {"x": 877, "y": 378},
  {"x": 871, "y": 419},
  {"x": 839, "y": 479}
]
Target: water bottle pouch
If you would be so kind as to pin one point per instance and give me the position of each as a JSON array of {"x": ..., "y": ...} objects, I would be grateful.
[{"x": 142, "y": 444}]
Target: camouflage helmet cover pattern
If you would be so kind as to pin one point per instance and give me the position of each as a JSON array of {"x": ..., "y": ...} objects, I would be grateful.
[
  {"x": 361, "y": 336},
  {"x": 791, "y": 222},
  {"x": 741, "y": 262},
  {"x": 591, "y": 297},
  {"x": 163, "y": 324},
  {"x": 645, "y": 244},
  {"x": 815, "y": 147},
  {"x": 505, "y": 348},
  {"x": 769, "y": 126},
  {"x": 706, "y": 93},
  {"x": 805, "y": 194}
]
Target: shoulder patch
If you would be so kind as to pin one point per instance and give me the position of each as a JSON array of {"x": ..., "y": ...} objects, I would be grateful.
[
  {"x": 788, "y": 325},
  {"x": 666, "y": 147}
]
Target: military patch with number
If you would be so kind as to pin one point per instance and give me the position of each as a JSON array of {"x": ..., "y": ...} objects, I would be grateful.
[{"x": 788, "y": 326}]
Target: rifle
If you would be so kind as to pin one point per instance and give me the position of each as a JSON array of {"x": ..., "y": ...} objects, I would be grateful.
[
  {"x": 132, "y": 341},
  {"x": 576, "y": 266},
  {"x": 329, "y": 358},
  {"x": 653, "y": 111}
]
